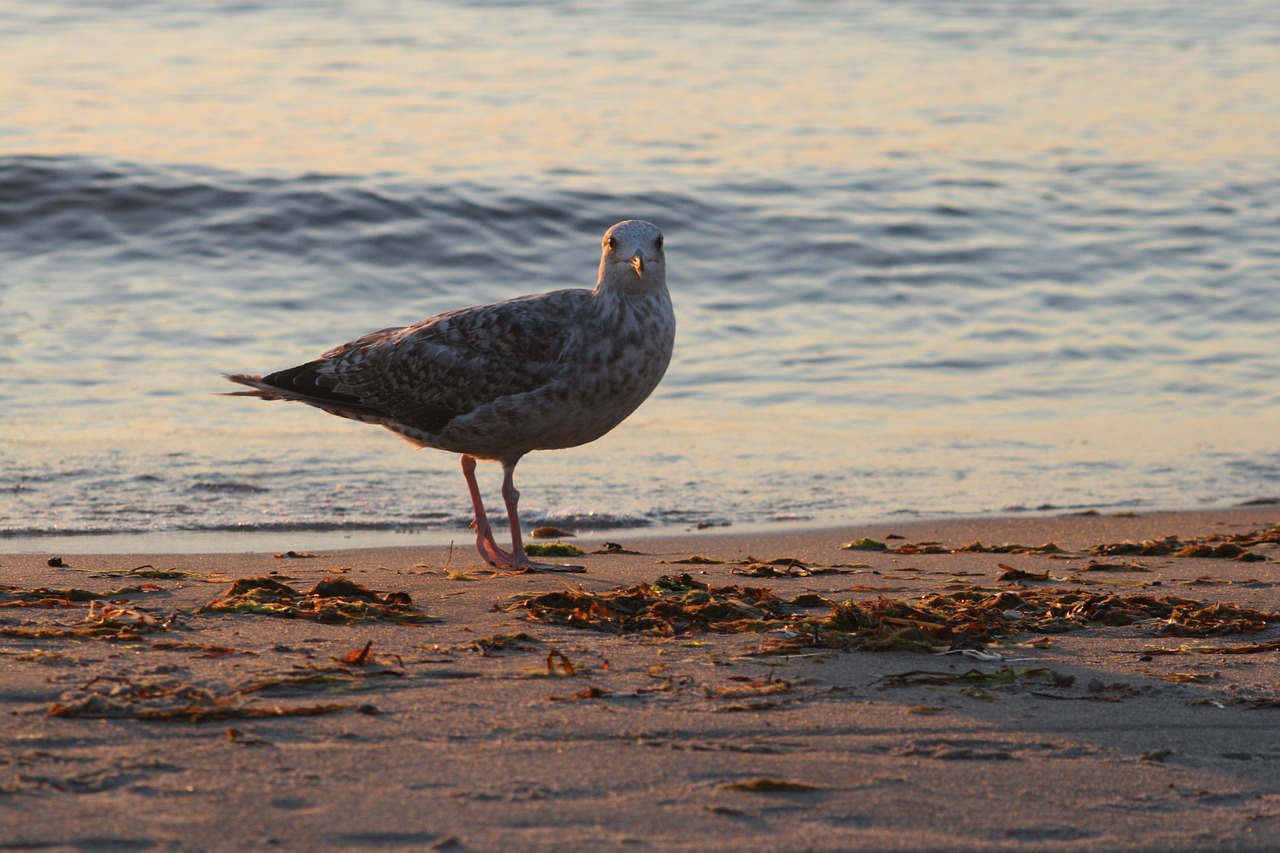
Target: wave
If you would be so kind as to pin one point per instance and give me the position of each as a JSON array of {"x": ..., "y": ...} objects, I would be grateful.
[{"x": 129, "y": 212}]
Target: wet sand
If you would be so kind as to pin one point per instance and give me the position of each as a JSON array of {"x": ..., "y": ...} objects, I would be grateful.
[{"x": 582, "y": 740}]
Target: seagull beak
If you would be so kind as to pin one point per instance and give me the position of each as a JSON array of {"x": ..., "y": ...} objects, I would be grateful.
[{"x": 637, "y": 264}]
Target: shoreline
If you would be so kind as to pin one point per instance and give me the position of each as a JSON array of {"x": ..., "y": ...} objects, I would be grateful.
[
  {"x": 480, "y": 728},
  {"x": 182, "y": 542}
]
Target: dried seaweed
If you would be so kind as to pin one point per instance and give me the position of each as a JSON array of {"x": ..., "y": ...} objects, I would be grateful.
[
  {"x": 521, "y": 642},
  {"x": 970, "y": 618},
  {"x": 103, "y": 621},
  {"x": 748, "y": 687},
  {"x": 169, "y": 701},
  {"x": 1003, "y": 677},
  {"x": 1215, "y": 546},
  {"x": 1249, "y": 649},
  {"x": 866, "y": 543},
  {"x": 150, "y": 572},
  {"x": 313, "y": 677},
  {"x": 1012, "y": 574},
  {"x": 668, "y": 606},
  {"x": 337, "y": 600},
  {"x": 16, "y": 596},
  {"x": 772, "y": 786},
  {"x": 614, "y": 548},
  {"x": 1095, "y": 566},
  {"x": 786, "y": 567},
  {"x": 918, "y": 548}
]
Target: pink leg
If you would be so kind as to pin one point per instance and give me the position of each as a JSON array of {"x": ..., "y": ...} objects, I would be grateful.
[
  {"x": 512, "y": 498},
  {"x": 488, "y": 548}
]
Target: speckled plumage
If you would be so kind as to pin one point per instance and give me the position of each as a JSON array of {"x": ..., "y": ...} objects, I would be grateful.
[{"x": 496, "y": 381}]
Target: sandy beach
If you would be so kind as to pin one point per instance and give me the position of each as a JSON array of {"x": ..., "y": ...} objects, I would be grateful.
[{"x": 417, "y": 700}]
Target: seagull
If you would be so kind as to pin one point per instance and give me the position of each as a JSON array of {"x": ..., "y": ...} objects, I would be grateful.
[{"x": 496, "y": 381}]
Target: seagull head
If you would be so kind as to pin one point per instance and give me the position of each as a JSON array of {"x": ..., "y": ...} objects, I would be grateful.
[{"x": 631, "y": 258}]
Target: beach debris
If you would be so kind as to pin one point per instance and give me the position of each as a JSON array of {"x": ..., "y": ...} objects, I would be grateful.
[
  {"x": 592, "y": 692},
  {"x": 694, "y": 560},
  {"x": 330, "y": 600},
  {"x": 866, "y": 543},
  {"x": 758, "y": 694},
  {"x": 127, "y": 619},
  {"x": 44, "y": 656},
  {"x": 552, "y": 549},
  {"x": 558, "y": 664},
  {"x": 547, "y": 532},
  {"x": 765, "y": 785},
  {"x": 1011, "y": 574},
  {"x": 978, "y": 547},
  {"x": 786, "y": 567},
  {"x": 1095, "y": 566},
  {"x": 169, "y": 700},
  {"x": 952, "y": 750},
  {"x": 150, "y": 572},
  {"x": 313, "y": 677},
  {"x": 521, "y": 642},
  {"x": 209, "y": 649},
  {"x": 1250, "y": 649},
  {"x": 104, "y": 621},
  {"x": 244, "y": 739},
  {"x": 1002, "y": 677},
  {"x": 1191, "y": 677},
  {"x": 967, "y": 618},
  {"x": 978, "y": 654},
  {"x": 669, "y": 606},
  {"x": 357, "y": 657},
  {"x": 614, "y": 548},
  {"x": 16, "y": 596},
  {"x": 911, "y": 549},
  {"x": 57, "y": 563},
  {"x": 1210, "y": 580},
  {"x": 293, "y": 555},
  {"x": 1215, "y": 546}
]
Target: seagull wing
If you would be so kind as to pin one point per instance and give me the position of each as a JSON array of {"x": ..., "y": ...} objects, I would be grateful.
[{"x": 425, "y": 375}]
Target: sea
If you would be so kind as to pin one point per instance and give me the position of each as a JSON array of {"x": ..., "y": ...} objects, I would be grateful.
[{"x": 930, "y": 258}]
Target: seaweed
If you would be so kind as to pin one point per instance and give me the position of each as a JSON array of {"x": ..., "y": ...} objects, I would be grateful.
[
  {"x": 169, "y": 701},
  {"x": 786, "y": 567},
  {"x": 668, "y": 606},
  {"x": 1215, "y": 546},
  {"x": 103, "y": 621},
  {"x": 772, "y": 786},
  {"x": 967, "y": 618},
  {"x": 552, "y": 549},
  {"x": 16, "y": 596},
  {"x": 521, "y": 642},
  {"x": 336, "y": 600}
]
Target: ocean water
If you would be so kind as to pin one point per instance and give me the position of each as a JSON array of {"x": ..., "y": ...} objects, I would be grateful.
[{"x": 927, "y": 258}]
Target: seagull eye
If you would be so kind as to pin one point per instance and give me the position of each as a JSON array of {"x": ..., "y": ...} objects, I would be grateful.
[
  {"x": 659, "y": 241},
  {"x": 611, "y": 242}
]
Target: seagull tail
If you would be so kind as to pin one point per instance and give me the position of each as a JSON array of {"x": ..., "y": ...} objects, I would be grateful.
[{"x": 260, "y": 390}]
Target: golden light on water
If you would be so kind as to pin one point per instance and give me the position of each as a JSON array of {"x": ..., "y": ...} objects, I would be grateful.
[{"x": 419, "y": 95}]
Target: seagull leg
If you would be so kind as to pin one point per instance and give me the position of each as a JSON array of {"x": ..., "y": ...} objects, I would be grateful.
[
  {"x": 488, "y": 548},
  {"x": 512, "y": 497}
]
